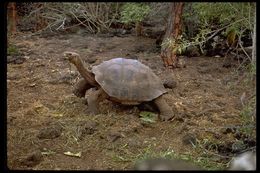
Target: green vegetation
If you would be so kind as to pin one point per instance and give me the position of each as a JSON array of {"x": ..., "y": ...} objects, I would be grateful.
[
  {"x": 202, "y": 159},
  {"x": 206, "y": 155},
  {"x": 148, "y": 117},
  {"x": 213, "y": 18},
  {"x": 134, "y": 12},
  {"x": 12, "y": 50},
  {"x": 251, "y": 69},
  {"x": 248, "y": 117},
  {"x": 149, "y": 152},
  {"x": 239, "y": 15}
]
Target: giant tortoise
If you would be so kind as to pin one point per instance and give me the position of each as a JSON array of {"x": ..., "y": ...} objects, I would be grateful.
[{"x": 126, "y": 81}]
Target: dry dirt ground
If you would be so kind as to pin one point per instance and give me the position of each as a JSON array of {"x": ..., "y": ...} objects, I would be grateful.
[{"x": 47, "y": 124}]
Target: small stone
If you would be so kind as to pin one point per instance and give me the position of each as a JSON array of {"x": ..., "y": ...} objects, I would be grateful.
[
  {"x": 153, "y": 138},
  {"x": 169, "y": 83},
  {"x": 113, "y": 136},
  {"x": 228, "y": 130},
  {"x": 88, "y": 127},
  {"x": 15, "y": 59},
  {"x": 189, "y": 139},
  {"x": 32, "y": 85},
  {"x": 50, "y": 132},
  {"x": 192, "y": 51},
  {"x": 32, "y": 159}
]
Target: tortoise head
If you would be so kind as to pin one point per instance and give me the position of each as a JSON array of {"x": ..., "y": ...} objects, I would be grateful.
[{"x": 73, "y": 57}]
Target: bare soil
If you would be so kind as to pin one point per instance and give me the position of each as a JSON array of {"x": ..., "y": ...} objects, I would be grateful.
[{"x": 45, "y": 120}]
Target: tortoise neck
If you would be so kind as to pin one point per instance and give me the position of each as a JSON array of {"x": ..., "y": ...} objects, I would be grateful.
[{"x": 88, "y": 76}]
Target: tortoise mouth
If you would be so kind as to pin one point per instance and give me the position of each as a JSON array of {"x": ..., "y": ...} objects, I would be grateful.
[
  {"x": 67, "y": 55},
  {"x": 66, "y": 58},
  {"x": 71, "y": 56}
]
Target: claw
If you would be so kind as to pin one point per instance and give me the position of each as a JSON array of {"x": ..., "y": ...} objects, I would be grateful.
[{"x": 165, "y": 117}]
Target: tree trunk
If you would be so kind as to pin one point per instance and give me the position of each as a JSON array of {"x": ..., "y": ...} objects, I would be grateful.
[
  {"x": 173, "y": 30},
  {"x": 12, "y": 17},
  {"x": 138, "y": 28}
]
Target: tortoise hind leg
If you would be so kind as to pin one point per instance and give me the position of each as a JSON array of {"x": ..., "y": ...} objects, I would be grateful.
[
  {"x": 166, "y": 112},
  {"x": 81, "y": 87},
  {"x": 93, "y": 100}
]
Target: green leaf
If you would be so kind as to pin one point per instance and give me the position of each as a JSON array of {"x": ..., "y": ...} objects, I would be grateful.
[
  {"x": 148, "y": 116},
  {"x": 134, "y": 12}
]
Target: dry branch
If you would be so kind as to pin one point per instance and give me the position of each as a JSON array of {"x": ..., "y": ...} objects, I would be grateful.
[{"x": 95, "y": 17}]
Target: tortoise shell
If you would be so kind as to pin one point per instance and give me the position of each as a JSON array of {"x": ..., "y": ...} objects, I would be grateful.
[{"x": 128, "y": 81}]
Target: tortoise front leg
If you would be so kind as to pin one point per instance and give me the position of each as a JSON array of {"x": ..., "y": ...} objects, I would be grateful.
[
  {"x": 81, "y": 87},
  {"x": 95, "y": 96},
  {"x": 166, "y": 112}
]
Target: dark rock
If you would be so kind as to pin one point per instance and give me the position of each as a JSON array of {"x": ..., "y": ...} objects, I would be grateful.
[
  {"x": 113, "y": 136},
  {"x": 50, "y": 132},
  {"x": 169, "y": 83},
  {"x": 192, "y": 51},
  {"x": 228, "y": 130},
  {"x": 189, "y": 139},
  {"x": 32, "y": 159},
  {"x": 15, "y": 59},
  {"x": 88, "y": 127},
  {"x": 223, "y": 148}
]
